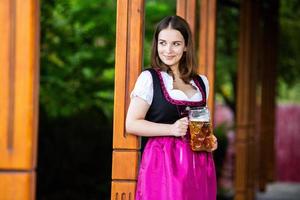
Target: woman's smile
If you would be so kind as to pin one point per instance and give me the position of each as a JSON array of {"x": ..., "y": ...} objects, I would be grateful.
[{"x": 169, "y": 57}]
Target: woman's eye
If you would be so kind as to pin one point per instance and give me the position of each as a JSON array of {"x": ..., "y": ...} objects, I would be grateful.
[
  {"x": 162, "y": 43},
  {"x": 176, "y": 43}
]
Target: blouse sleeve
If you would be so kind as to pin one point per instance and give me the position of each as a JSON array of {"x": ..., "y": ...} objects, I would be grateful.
[
  {"x": 206, "y": 83},
  {"x": 143, "y": 87}
]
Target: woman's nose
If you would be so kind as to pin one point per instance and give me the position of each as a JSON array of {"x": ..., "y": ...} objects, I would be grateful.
[{"x": 169, "y": 48}]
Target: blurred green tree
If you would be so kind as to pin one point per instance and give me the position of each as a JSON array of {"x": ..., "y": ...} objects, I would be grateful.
[
  {"x": 288, "y": 67},
  {"x": 77, "y": 53},
  {"x": 77, "y": 56}
]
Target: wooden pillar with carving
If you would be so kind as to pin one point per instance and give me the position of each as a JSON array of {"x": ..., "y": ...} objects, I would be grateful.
[
  {"x": 207, "y": 46},
  {"x": 128, "y": 64},
  {"x": 19, "y": 84},
  {"x": 269, "y": 54},
  {"x": 246, "y": 102}
]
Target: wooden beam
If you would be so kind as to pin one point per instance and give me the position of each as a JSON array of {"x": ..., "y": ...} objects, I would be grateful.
[
  {"x": 246, "y": 103},
  {"x": 207, "y": 45},
  {"x": 19, "y": 85},
  {"x": 269, "y": 54},
  {"x": 274, "y": 32},
  {"x": 187, "y": 10},
  {"x": 128, "y": 65}
]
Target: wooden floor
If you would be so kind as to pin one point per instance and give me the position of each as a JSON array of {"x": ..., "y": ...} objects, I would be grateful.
[{"x": 281, "y": 191}]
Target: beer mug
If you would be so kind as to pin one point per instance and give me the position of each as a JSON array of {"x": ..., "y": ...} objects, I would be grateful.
[{"x": 200, "y": 129}]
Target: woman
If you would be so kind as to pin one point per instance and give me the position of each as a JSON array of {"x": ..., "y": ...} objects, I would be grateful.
[{"x": 169, "y": 169}]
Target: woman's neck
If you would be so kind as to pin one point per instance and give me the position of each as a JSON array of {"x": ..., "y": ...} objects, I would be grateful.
[{"x": 175, "y": 72}]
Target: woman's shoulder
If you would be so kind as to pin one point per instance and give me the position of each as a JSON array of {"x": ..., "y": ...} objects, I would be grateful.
[
  {"x": 150, "y": 72},
  {"x": 151, "y": 69},
  {"x": 203, "y": 77},
  {"x": 205, "y": 81},
  {"x": 145, "y": 72},
  {"x": 145, "y": 78}
]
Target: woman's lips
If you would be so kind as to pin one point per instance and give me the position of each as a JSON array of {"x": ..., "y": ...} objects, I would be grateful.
[{"x": 169, "y": 57}]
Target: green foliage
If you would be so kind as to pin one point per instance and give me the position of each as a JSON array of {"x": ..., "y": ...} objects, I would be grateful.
[
  {"x": 289, "y": 48},
  {"x": 78, "y": 43},
  {"x": 77, "y": 56},
  {"x": 227, "y": 48},
  {"x": 288, "y": 67},
  {"x": 77, "y": 53},
  {"x": 289, "y": 94}
]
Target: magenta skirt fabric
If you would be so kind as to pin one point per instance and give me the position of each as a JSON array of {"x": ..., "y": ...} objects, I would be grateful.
[{"x": 170, "y": 170}]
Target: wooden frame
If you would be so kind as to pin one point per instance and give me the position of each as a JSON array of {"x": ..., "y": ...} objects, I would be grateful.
[{"x": 19, "y": 85}]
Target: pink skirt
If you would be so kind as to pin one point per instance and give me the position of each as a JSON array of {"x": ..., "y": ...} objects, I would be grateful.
[{"x": 170, "y": 170}]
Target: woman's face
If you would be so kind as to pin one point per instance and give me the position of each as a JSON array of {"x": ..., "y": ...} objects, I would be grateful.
[{"x": 170, "y": 46}]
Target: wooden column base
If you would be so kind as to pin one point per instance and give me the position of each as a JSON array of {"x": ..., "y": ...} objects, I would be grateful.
[
  {"x": 17, "y": 185},
  {"x": 123, "y": 190}
]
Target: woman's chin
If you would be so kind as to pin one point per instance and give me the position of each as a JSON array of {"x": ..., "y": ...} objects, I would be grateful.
[{"x": 169, "y": 63}]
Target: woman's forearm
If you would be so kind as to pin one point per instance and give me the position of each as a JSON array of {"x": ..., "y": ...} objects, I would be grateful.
[
  {"x": 143, "y": 127},
  {"x": 137, "y": 125}
]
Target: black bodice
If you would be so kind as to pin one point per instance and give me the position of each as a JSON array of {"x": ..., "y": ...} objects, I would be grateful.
[{"x": 166, "y": 110}]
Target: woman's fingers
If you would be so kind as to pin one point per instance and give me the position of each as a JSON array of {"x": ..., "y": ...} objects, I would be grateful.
[
  {"x": 184, "y": 120},
  {"x": 214, "y": 141},
  {"x": 180, "y": 127}
]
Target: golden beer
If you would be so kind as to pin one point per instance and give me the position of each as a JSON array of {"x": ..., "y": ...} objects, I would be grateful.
[
  {"x": 200, "y": 129},
  {"x": 199, "y": 132}
]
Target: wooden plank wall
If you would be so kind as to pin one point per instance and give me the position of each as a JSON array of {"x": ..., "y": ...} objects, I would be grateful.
[
  {"x": 19, "y": 72},
  {"x": 128, "y": 65}
]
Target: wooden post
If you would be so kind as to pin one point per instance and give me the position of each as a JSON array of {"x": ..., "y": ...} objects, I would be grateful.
[
  {"x": 274, "y": 32},
  {"x": 207, "y": 45},
  {"x": 128, "y": 64},
  {"x": 246, "y": 96},
  {"x": 259, "y": 46},
  {"x": 19, "y": 84},
  {"x": 187, "y": 10},
  {"x": 270, "y": 46}
]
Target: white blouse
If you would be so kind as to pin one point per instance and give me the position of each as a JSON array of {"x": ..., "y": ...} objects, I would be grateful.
[{"x": 144, "y": 88}]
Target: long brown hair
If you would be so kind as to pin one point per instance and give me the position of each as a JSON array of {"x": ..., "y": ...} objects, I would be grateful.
[{"x": 187, "y": 63}]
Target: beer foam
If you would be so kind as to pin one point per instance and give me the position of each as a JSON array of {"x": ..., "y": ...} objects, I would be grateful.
[{"x": 200, "y": 119}]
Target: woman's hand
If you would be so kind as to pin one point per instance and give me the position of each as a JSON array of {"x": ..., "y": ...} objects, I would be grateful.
[
  {"x": 213, "y": 140},
  {"x": 179, "y": 128}
]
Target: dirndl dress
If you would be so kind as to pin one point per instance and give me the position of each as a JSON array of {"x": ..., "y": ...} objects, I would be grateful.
[{"x": 169, "y": 169}]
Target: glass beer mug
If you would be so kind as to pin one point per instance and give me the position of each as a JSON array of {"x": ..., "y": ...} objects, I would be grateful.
[{"x": 200, "y": 129}]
